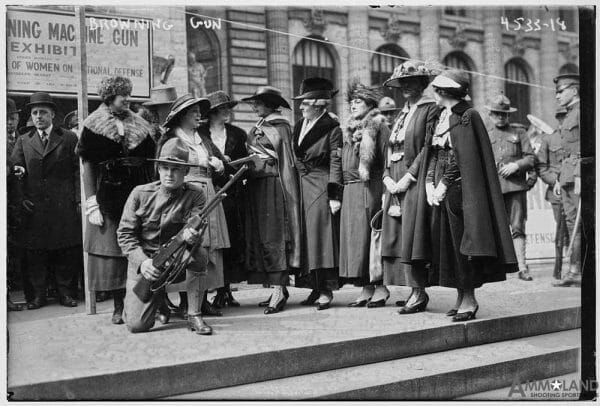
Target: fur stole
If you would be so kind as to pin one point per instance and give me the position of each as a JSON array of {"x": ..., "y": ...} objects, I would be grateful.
[
  {"x": 135, "y": 128},
  {"x": 362, "y": 135}
]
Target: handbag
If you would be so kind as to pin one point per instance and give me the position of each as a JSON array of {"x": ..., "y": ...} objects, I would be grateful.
[
  {"x": 375, "y": 260},
  {"x": 395, "y": 209}
]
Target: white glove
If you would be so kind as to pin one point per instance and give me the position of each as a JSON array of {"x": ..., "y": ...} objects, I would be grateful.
[
  {"x": 439, "y": 193},
  {"x": 404, "y": 183},
  {"x": 429, "y": 188},
  {"x": 390, "y": 185},
  {"x": 216, "y": 163},
  {"x": 335, "y": 206},
  {"x": 19, "y": 171},
  {"x": 92, "y": 211}
]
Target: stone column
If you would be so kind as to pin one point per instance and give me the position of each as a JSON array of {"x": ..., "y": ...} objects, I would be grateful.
[
  {"x": 278, "y": 50},
  {"x": 549, "y": 66},
  {"x": 492, "y": 52},
  {"x": 430, "y": 34},
  {"x": 359, "y": 63}
]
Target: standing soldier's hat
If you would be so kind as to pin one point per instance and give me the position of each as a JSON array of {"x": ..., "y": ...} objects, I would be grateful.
[
  {"x": 501, "y": 104},
  {"x": 41, "y": 98},
  {"x": 163, "y": 94},
  {"x": 174, "y": 151},
  {"x": 387, "y": 104},
  {"x": 566, "y": 80},
  {"x": 269, "y": 94},
  {"x": 316, "y": 88},
  {"x": 11, "y": 106}
]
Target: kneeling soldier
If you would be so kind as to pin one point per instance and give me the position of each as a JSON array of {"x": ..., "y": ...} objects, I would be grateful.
[{"x": 154, "y": 213}]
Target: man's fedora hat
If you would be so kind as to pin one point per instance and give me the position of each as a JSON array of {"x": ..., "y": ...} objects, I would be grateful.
[
  {"x": 11, "y": 106},
  {"x": 316, "y": 88},
  {"x": 270, "y": 94},
  {"x": 501, "y": 104},
  {"x": 566, "y": 80},
  {"x": 408, "y": 70},
  {"x": 41, "y": 98},
  {"x": 163, "y": 94},
  {"x": 220, "y": 98},
  {"x": 539, "y": 123},
  {"x": 174, "y": 151},
  {"x": 182, "y": 103}
]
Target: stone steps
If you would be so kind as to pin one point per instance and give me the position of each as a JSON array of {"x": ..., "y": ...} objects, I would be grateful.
[{"x": 436, "y": 376}]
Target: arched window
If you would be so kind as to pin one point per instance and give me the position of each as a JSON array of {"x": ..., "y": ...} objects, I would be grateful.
[
  {"x": 455, "y": 11},
  {"x": 382, "y": 67},
  {"x": 312, "y": 58},
  {"x": 518, "y": 93},
  {"x": 203, "y": 60},
  {"x": 569, "y": 16},
  {"x": 568, "y": 68},
  {"x": 459, "y": 60}
]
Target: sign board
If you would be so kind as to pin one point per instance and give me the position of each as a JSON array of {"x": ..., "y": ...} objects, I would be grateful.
[
  {"x": 42, "y": 55},
  {"x": 540, "y": 226}
]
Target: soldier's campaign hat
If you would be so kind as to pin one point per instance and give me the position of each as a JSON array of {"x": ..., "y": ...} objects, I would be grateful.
[
  {"x": 566, "y": 80},
  {"x": 387, "y": 104},
  {"x": 184, "y": 102},
  {"x": 174, "y": 151},
  {"x": 68, "y": 118},
  {"x": 218, "y": 99},
  {"x": 11, "y": 106},
  {"x": 41, "y": 98},
  {"x": 501, "y": 104},
  {"x": 269, "y": 94},
  {"x": 163, "y": 94},
  {"x": 539, "y": 123},
  {"x": 316, "y": 88},
  {"x": 408, "y": 70}
]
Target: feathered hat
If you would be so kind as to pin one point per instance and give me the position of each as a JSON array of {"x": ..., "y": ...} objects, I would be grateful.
[
  {"x": 357, "y": 90},
  {"x": 111, "y": 86}
]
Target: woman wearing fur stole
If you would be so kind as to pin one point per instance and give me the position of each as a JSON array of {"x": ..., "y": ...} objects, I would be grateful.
[
  {"x": 113, "y": 147},
  {"x": 363, "y": 162}
]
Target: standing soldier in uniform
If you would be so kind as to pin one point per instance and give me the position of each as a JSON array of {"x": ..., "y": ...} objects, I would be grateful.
[
  {"x": 568, "y": 182},
  {"x": 514, "y": 158},
  {"x": 549, "y": 155}
]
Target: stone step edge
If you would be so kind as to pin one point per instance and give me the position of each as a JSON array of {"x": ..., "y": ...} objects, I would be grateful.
[
  {"x": 439, "y": 376},
  {"x": 212, "y": 374}
]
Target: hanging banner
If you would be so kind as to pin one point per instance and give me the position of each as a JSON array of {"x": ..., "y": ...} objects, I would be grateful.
[{"x": 42, "y": 56}]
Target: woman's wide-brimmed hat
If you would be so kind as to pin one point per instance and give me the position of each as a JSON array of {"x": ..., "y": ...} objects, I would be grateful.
[
  {"x": 270, "y": 94},
  {"x": 408, "y": 70},
  {"x": 316, "y": 88},
  {"x": 160, "y": 95},
  {"x": 218, "y": 99},
  {"x": 11, "y": 106},
  {"x": 454, "y": 81},
  {"x": 357, "y": 90},
  {"x": 501, "y": 104},
  {"x": 174, "y": 151},
  {"x": 539, "y": 123},
  {"x": 182, "y": 103},
  {"x": 41, "y": 98}
]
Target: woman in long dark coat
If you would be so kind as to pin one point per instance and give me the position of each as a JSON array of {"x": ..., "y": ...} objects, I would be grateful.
[
  {"x": 231, "y": 142},
  {"x": 415, "y": 120},
  {"x": 469, "y": 240},
  {"x": 363, "y": 161},
  {"x": 182, "y": 122},
  {"x": 273, "y": 216},
  {"x": 113, "y": 146},
  {"x": 317, "y": 143}
]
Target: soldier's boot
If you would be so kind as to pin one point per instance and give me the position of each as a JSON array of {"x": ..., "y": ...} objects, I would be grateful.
[
  {"x": 558, "y": 261},
  {"x": 118, "y": 298},
  {"x": 573, "y": 277},
  {"x": 520, "y": 249},
  {"x": 196, "y": 287}
]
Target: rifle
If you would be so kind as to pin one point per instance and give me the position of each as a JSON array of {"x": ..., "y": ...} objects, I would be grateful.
[{"x": 173, "y": 257}]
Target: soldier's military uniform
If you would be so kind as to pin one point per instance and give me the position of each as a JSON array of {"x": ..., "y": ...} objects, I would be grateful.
[
  {"x": 511, "y": 144},
  {"x": 569, "y": 172}
]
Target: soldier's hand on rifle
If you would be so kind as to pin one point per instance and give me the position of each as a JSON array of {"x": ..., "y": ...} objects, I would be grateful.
[
  {"x": 577, "y": 188},
  {"x": 556, "y": 189},
  {"x": 216, "y": 163},
  {"x": 191, "y": 236},
  {"x": 148, "y": 270},
  {"x": 508, "y": 169}
]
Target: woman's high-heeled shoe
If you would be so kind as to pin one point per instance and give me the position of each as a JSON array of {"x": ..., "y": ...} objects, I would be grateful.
[
  {"x": 417, "y": 307},
  {"x": 277, "y": 303},
  {"x": 323, "y": 305},
  {"x": 466, "y": 316},
  {"x": 311, "y": 299},
  {"x": 451, "y": 312},
  {"x": 220, "y": 298},
  {"x": 381, "y": 301}
]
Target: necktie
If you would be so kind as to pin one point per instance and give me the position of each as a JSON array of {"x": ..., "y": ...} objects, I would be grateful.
[{"x": 44, "y": 138}]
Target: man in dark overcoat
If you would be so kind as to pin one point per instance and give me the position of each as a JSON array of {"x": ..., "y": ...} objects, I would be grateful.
[
  {"x": 514, "y": 157},
  {"x": 49, "y": 196}
]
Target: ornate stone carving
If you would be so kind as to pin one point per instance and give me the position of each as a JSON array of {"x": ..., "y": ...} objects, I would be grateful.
[
  {"x": 571, "y": 51},
  {"x": 519, "y": 44},
  {"x": 315, "y": 23},
  {"x": 392, "y": 31},
  {"x": 459, "y": 38}
]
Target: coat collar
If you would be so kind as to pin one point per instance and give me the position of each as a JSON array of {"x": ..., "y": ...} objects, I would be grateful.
[
  {"x": 54, "y": 139},
  {"x": 321, "y": 127},
  {"x": 460, "y": 107}
]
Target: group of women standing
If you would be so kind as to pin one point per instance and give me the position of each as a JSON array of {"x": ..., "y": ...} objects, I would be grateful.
[{"x": 306, "y": 208}]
